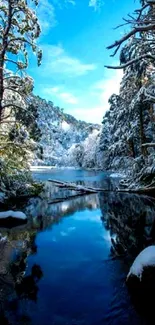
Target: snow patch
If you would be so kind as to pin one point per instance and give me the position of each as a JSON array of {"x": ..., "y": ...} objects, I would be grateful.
[
  {"x": 116, "y": 175},
  {"x": 144, "y": 259},
  {"x": 13, "y": 214},
  {"x": 65, "y": 126}
]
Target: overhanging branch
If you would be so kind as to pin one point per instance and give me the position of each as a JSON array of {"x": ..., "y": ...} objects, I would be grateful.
[
  {"x": 123, "y": 66},
  {"x": 139, "y": 29}
]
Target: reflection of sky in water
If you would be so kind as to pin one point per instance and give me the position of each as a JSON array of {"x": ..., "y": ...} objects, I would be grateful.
[
  {"x": 82, "y": 284},
  {"x": 71, "y": 255}
]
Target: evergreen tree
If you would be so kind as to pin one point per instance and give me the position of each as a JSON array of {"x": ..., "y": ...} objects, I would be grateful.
[
  {"x": 19, "y": 30},
  {"x": 129, "y": 125}
]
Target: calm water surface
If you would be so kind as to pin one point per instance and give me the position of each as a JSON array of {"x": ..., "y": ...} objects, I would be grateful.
[{"x": 72, "y": 259}]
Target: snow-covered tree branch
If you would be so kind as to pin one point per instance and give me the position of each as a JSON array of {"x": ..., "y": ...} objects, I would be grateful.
[{"x": 142, "y": 30}]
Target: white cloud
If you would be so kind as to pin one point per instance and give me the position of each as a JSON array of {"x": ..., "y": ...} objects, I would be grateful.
[
  {"x": 46, "y": 11},
  {"x": 66, "y": 97},
  {"x": 92, "y": 115},
  {"x": 93, "y": 3},
  {"x": 52, "y": 89},
  {"x": 57, "y": 61},
  {"x": 71, "y": 1},
  {"x": 96, "y": 3},
  {"x": 96, "y": 103},
  {"x": 46, "y": 15},
  {"x": 106, "y": 87}
]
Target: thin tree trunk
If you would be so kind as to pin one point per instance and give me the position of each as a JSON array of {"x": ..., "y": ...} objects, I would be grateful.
[
  {"x": 142, "y": 135},
  {"x": 2, "y": 55}
]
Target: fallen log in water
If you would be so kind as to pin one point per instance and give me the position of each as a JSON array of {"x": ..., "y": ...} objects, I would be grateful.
[
  {"x": 90, "y": 190},
  {"x": 75, "y": 187}
]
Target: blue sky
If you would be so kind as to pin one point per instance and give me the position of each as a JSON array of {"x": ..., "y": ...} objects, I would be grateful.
[{"x": 74, "y": 37}]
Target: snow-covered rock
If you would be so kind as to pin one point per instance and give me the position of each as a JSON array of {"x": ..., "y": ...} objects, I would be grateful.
[
  {"x": 13, "y": 214},
  {"x": 145, "y": 259}
]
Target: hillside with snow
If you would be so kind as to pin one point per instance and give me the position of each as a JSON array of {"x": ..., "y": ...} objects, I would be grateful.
[{"x": 64, "y": 140}]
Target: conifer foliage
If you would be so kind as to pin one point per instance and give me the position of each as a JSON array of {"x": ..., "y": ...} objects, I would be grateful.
[
  {"x": 127, "y": 140},
  {"x": 19, "y": 31}
]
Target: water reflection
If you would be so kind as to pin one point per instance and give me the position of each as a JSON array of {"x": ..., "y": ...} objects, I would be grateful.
[
  {"x": 15, "y": 248},
  {"x": 74, "y": 241},
  {"x": 39, "y": 207},
  {"x": 131, "y": 221}
]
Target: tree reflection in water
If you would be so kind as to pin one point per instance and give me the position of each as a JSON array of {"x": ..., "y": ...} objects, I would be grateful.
[
  {"x": 131, "y": 221},
  {"x": 14, "y": 285}
]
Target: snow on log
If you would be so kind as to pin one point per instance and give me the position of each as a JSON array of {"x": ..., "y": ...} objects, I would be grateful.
[
  {"x": 90, "y": 190},
  {"x": 145, "y": 259},
  {"x": 74, "y": 187},
  {"x": 13, "y": 214}
]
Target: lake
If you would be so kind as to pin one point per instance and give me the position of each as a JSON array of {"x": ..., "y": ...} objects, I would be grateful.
[{"x": 68, "y": 265}]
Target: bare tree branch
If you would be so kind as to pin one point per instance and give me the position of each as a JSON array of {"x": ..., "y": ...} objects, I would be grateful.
[
  {"x": 144, "y": 28},
  {"x": 140, "y": 11},
  {"x": 123, "y": 66}
]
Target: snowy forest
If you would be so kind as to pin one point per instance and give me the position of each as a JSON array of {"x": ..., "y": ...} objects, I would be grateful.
[{"x": 76, "y": 197}]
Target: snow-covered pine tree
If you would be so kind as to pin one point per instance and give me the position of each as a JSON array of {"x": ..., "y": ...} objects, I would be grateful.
[
  {"x": 19, "y": 30},
  {"x": 132, "y": 133}
]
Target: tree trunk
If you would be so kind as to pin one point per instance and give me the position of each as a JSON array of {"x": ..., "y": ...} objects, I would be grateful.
[
  {"x": 2, "y": 55},
  {"x": 142, "y": 135}
]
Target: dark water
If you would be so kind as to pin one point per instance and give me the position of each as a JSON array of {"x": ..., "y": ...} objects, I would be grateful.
[{"x": 68, "y": 265}]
